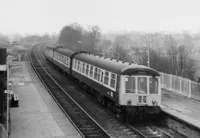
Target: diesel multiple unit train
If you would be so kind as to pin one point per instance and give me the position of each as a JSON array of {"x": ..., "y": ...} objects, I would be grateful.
[{"x": 128, "y": 89}]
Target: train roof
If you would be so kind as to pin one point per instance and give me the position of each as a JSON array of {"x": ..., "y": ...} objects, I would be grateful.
[
  {"x": 112, "y": 65},
  {"x": 115, "y": 66}
]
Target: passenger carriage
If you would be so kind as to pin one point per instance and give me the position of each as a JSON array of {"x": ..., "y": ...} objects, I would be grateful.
[
  {"x": 60, "y": 57},
  {"x": 124, "y": 83}
]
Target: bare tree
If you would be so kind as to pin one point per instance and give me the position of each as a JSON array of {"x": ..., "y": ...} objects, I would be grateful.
[{"x": 69, "y": 37}]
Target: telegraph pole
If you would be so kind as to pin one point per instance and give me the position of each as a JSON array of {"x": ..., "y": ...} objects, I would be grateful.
[
  {"x": 148, "y": 54},
  {"x": 3, "y": 81},
  {"x": 148, "y": 62}
]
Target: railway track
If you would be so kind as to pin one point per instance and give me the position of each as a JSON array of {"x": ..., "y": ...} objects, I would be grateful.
[
  {"x": 87, "y": 126},
  {"x": 126, "y": 130},
  {"x": 149, "y": 131}
]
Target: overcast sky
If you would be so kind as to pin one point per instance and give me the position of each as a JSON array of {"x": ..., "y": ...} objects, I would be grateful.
[{"x": 41, "y": 16}]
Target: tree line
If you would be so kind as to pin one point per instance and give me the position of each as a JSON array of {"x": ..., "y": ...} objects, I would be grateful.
[{"x": 167, "y": 54}]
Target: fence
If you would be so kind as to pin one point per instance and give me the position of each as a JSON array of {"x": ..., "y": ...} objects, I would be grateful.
[{"x": 180, "y": 85}]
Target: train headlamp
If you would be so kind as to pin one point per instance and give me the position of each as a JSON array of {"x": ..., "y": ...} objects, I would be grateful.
[
  {"x": 129, "y": 102},
  {"x": 154, "y": 102}
]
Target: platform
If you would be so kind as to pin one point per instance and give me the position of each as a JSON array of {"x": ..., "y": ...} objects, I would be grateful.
[
  {"x": 38, "y": 115},
  {"x": 182, "y": 107}
]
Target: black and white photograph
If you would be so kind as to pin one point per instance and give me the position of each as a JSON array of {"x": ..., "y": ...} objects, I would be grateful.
[{"x": 99, "y": 69}]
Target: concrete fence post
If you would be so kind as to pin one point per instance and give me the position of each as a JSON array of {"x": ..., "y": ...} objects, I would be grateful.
[
  {"x": 190, "y": 89},
  {"x": 180, "y": 85},
  {"x": 170, "y": 82}
]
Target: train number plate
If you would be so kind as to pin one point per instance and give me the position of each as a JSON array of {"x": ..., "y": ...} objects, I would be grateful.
[{"x": 142, "y": 99}]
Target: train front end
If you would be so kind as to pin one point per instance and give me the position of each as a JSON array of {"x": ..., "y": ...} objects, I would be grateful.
[{"x": 140, "y": 92}]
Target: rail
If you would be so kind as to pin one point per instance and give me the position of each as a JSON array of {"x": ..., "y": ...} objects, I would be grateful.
[{"x": 82, "y": 121}]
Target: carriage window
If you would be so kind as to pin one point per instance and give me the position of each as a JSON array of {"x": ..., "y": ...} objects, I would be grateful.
[
  {"x": 130, "y": 84},
  {"x": 87, "y": 69},
  {"x": 99, "y": 75},
  {"x": 153, "y": 85},
  {"x": 56, "y": 57},
  {"x": 106, "y": 77},
  {"x": 95, "y": 73},
  {"x": 80, "y": 66},
  {"x": 91, "y": 71},
  {"x": 112, "y": 80},
  {"x": 63, "y": 59},
  {"x": 75, "y": 64},
  {"x": 83, "y": 68},
  {"x": 67, "y": 60},
  {"x": 142, "y": 85}
]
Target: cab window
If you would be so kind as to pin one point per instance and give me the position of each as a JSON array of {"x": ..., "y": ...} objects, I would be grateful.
[
  {"x": 130, "y": 84},
  {"x": 153, "y": 85},
  {"x": 142, "y": 85}
]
